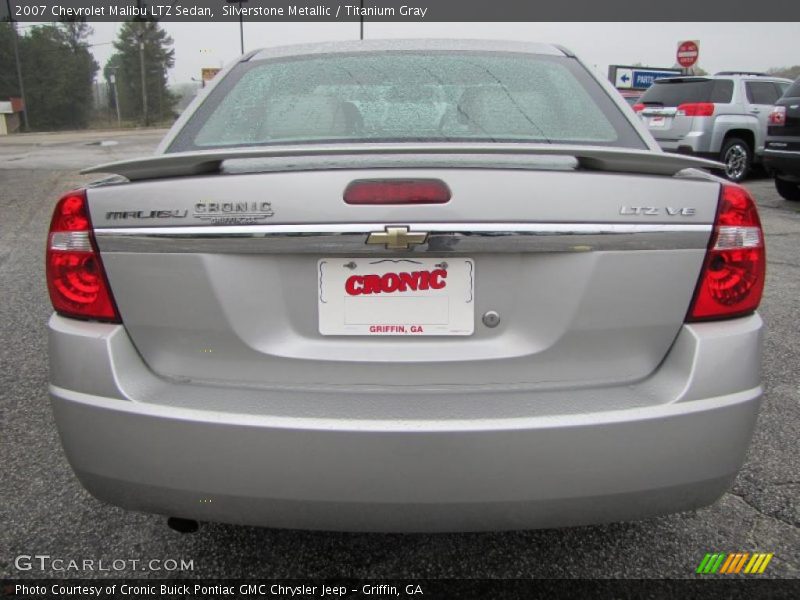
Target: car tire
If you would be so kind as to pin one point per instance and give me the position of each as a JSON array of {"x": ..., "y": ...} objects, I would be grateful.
[
  {"x": 737, "y": 156},
  {"x": 789, "y": 190}
]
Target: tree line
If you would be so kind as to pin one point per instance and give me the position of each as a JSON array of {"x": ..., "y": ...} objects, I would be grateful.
[
  {"x": 59, "y": 73},
  {"x": 788, "y": 72}
]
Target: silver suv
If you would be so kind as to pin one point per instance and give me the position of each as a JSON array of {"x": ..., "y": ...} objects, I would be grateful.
[{"x": 723, "y": 117}]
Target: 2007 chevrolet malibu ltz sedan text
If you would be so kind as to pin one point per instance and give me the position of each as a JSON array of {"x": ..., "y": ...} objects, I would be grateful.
[{"x": 407, "y": 286}]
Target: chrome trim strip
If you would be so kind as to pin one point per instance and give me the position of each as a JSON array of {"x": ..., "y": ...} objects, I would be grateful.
[
  {"x": 349, "y": 238},
  {"x": 782, "y": 153}
]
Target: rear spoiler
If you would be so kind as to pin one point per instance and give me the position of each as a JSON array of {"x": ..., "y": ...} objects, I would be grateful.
[{"x": 596, "y": 158}]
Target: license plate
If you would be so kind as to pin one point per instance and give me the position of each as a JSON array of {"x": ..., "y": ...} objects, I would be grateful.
[
  {"x": 658, "y": 121},
  {"x": 396, "y": 296}
]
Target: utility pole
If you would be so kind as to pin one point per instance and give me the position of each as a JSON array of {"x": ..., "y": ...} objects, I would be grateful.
[
  {"x": 116, "y": 98},
  {"x": 142, "y": 72},
  {"x": 241, "y": 22},
  {"x": 361, "y": 21},
  {"x": 144, "y": 78},
  {"x": 19, "y": 67},
  {"x": 241, "y": 27}
]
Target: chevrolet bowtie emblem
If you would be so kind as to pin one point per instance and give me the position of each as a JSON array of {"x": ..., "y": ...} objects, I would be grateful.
[{"x": 397, "y": 238}]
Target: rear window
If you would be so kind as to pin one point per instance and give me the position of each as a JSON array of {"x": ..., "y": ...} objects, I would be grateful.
[
  {"x": 407, "y": 96},
  {"x": 793, "y": 91},
  {"x": 762, "y": 92},
  {"x": 673, "y": 93}
]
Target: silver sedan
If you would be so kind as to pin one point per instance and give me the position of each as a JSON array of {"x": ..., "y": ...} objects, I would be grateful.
[{"x": 407, "y": 286}]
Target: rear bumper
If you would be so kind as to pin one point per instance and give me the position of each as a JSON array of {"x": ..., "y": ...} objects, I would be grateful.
[
  {"x": 786, "y": 164},
  {"x": 679, "y": 448},
  {"x": 696, "y": 143}
]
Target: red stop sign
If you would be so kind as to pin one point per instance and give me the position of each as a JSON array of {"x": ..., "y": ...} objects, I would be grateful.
[{"x": 687, "y": 54}]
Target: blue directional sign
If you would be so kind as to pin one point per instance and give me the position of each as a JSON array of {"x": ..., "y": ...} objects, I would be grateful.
[
  {"x": 643, "y": 79},
  {"x": 637, "y": 78}
]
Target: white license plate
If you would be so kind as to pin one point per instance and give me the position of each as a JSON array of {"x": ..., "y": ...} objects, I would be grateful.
[
  {"x": 658, "y": 121},
  {"x": 396, "y": 296}
]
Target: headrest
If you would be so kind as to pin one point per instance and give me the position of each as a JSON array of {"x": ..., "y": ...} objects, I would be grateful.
[
  {"x": 306, "y": 116},
  {"x": 498, "y": 111}
]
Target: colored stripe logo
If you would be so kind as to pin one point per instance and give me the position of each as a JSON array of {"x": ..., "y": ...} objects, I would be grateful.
[{"x": 737, "y": 562}]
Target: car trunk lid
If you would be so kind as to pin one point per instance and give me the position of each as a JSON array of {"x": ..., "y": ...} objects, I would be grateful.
[{"x": 217, "y": 277}]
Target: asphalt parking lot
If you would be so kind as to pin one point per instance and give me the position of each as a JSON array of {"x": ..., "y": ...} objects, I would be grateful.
[{"x": 44, "y": 510}]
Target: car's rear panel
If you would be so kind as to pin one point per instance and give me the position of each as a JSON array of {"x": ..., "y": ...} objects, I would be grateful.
[
  {"x": 670, "y": 125},
  {"x": 588, "y": 291},
  {"x": 786, "y": 137},
  {"x": 782, "y": 146}
]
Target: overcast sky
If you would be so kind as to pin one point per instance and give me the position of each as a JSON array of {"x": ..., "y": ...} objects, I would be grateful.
[{"x": 723, "y": 46}]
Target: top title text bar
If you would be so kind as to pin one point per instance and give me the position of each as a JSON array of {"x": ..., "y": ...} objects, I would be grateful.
[{"x": 401, "y": 10}]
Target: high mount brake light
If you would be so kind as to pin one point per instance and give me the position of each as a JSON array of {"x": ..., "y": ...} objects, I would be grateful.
[
  {"x": 696, "y": 109},
  {"x": 397, "y": 191},
  {"x": 639, "y": 107},
  {"x": 734, "y": 270},
  {"x": 76, "y": 279}
]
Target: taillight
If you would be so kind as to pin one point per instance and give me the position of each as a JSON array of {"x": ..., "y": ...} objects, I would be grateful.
[
  {"x": 397, "y": 191},
  {"x": 75, "y": 277},
  {"x": 734, "y": 270},
  {"x": 696, "y": 109},
  {"x": 778, "y": 116},
  {"x": 639, "y": 107}
]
